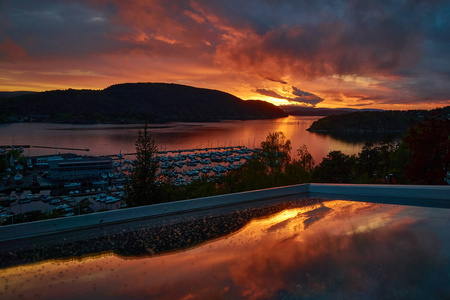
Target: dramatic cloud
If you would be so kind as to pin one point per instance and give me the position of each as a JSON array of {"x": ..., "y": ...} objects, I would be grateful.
[
  {"x": 300, "y": 96},
  {"x": 305, "y": 97},
  {"x": 391, "y": 53}
]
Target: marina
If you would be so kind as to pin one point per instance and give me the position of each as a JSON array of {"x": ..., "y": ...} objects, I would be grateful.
[{"x": 71, "y": 184}]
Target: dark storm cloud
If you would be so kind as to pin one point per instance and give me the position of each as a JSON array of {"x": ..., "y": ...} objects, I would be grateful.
[
  {"x": 274, "y": 79},
  {"x": 299, "y": 96},
  {"x": 359, "y": 38},
  {"x": 410, "y": 39},
  {"x": 58, "y": 28},
  {"x": 305, "y": 97},
  {"x": 403, "y": 44},
  {"x": 270, "y": 93}
]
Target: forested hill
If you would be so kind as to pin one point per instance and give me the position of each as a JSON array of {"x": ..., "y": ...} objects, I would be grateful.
[
  {"x": 134, "y": 102},
  {"x": 376, "y": 121}
]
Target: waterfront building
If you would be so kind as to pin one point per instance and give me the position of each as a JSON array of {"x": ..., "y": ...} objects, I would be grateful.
[
  {"x": 43, "y": 160},
  {"x": 79, "y": 168}
]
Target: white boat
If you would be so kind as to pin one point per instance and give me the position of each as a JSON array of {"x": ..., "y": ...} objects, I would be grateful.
[
  {"x": 55, "y": 201},
  {"x": 62, "y": 206},
  {"x": 72, "y": 184},
  {"x": 99, "y": 182},
  {"x": 18, "y": 177}
]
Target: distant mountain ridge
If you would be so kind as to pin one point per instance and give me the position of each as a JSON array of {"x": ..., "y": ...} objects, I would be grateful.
[
  {"x": 134, "y": 103},
  {"x": 296, "y": 110},
  {"x": 14, "y": 94}
]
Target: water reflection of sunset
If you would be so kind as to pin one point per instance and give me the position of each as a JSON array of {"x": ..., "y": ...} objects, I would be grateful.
[
  {"x": 107, "y": 139},
  {"x": 339, "y": 248}
]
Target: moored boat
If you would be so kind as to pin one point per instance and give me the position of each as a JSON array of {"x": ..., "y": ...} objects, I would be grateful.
[
  {"x": 72, "y": 185},
  {"x": 18, "y": 177}
]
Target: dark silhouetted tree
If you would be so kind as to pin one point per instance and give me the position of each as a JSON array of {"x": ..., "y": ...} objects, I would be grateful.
[
  {"x": 142, "y": 188},
  {"x": 368, "y": 161},
  {"x": 276, "y": 152},
  {"x": 429, "y": 147},
  {"x": 337, "y": 167},
  {"x": 305, "y": 159}
]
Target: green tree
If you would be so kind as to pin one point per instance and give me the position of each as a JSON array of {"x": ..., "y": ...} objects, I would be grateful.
[
  {"x": 337, "y": 167},
  {"x": 386, "y": 150},
  {"x": 272, "y": 167},
  {"x": 16, "y": 156},
  {"x": 429, "y": 148},
  {"x": 142, "y": 188},
  {"x": 276, "y": 152},
  {"x": 305, "y": 159},
  {"x": 3, "y": 163},
  {"x": 251, "y": 176},
  {"x": 400, "y": 159},
  {"x": 368, "y": 161}
]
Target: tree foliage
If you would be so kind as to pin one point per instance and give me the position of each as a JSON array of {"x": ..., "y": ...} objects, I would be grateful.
[
  {"x": 305, "y": 159},
  {"x": 337, "y": 167},
  {"x": 429, "y": 147},
  {"x": 422, "y": 157},
  {"x": 276, "y": 152},
  {"x": 142, "y": 188},
  {"x": 272, "y": 167},
  {"x": 374, "y": 121}
]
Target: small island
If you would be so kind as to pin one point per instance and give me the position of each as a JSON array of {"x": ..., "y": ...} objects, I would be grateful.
[{"x": 394, "y": 121}]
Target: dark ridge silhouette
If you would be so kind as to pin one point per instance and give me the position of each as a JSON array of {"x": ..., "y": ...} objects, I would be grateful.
[
  {"x": 376, "y": 121},
  {"x": 135, "y": 103},
  {"x": 296, "y": 110},
  {"x": 14, "y": 94}
]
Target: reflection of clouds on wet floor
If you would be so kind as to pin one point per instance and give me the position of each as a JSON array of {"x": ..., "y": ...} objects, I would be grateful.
[
  {"x": 337, "y": 249},
  {"x": 315, "y": 215}
]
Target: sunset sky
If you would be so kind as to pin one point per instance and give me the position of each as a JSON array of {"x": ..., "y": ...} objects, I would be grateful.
[{"x": 359, "y": 54}]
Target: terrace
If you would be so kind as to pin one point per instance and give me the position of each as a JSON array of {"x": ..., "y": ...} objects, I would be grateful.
[{"x": 312, "y": 240}]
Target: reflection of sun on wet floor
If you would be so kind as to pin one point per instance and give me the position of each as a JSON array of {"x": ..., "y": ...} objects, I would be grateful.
[{"x": 337, "y": 249}]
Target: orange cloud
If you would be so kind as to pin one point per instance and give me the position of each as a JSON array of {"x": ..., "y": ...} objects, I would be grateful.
[
  {"x": 377, "y": 50},
  {"x": 12, "y": 52}
]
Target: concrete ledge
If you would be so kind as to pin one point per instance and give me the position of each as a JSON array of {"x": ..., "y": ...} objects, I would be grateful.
[
  {"x": 68, "y": 224},
  {"x": 430, "y": 192},
  {"x": 40, "y": 228}
]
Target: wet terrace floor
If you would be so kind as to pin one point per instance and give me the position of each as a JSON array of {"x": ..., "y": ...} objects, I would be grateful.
[{"x": 289, "y": 248}]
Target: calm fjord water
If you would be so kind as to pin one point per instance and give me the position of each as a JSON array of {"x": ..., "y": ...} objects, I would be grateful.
[{"x": 104, "y": 139}]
